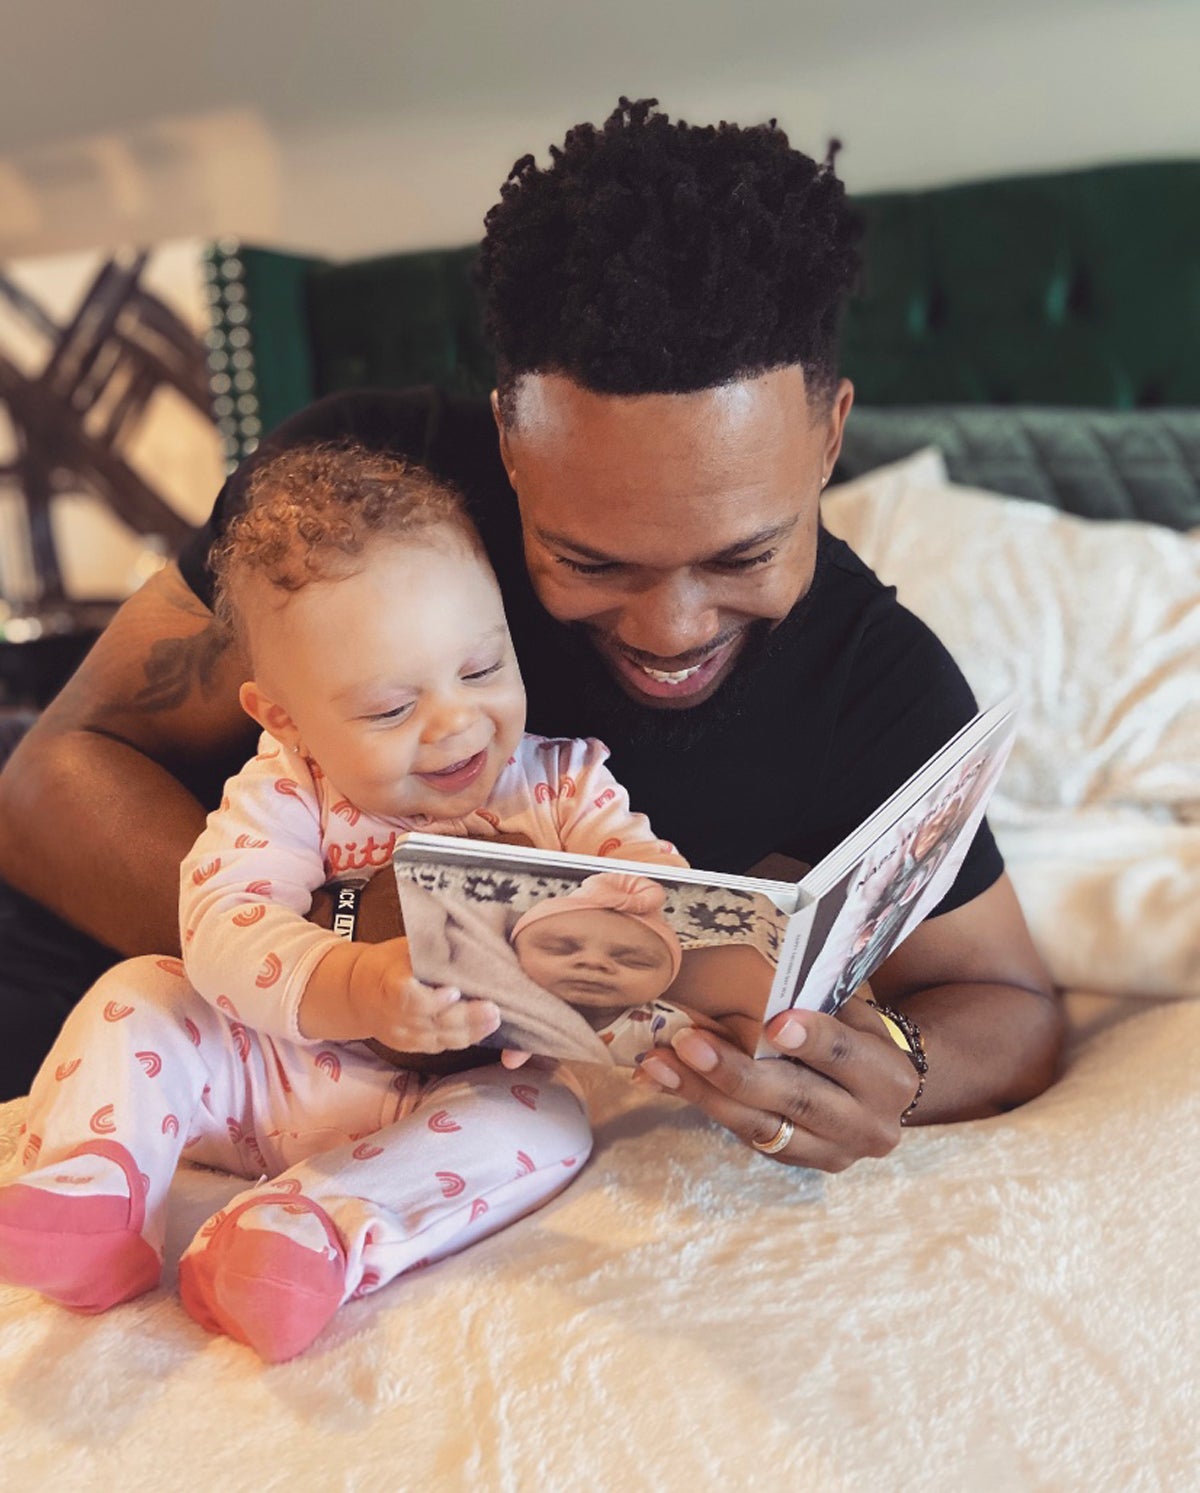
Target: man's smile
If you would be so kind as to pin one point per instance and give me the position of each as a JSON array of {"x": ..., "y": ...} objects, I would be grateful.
[{"x": 683, "y": 680}]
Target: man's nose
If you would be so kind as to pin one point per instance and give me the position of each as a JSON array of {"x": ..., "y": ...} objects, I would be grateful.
[{"x": 672, "y": 616}]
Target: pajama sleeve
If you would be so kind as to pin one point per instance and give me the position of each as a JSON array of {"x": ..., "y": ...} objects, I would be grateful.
[
  {"x": 245, "y": 889},
  {"x": 594, "y": 816}
]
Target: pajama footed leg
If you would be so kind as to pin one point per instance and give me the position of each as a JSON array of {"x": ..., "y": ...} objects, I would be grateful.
[
  {"x": 479, "y": 1150},
  {"x": 73, "y": 1230},
  {"x": 109, "y": 1114},
  {"x": 269, "y": 1272}
]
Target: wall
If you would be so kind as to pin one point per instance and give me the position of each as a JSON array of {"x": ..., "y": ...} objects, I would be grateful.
[{"x": 374, "y": 125}]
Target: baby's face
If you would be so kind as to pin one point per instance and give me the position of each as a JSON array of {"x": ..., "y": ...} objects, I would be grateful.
[
  {"x": 595, "y": 957},
  {"x": 399, "y": 678}
]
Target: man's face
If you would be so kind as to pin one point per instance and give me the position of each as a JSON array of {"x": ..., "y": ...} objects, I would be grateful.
[{"x": 671, "y": 526}]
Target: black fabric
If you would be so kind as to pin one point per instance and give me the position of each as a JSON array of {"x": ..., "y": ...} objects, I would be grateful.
[{"x": 848, "y": 697}]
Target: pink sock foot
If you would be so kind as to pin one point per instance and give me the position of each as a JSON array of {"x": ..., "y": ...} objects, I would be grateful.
[
  {"x": 263, "y": 1288},
  {"x": 87, "y": 1253}
]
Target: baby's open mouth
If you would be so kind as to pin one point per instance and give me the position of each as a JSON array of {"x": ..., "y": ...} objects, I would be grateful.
[{"x": 456, "y": 775}]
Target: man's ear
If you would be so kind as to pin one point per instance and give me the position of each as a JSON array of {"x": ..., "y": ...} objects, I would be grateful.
[
  {"x": 505, "y": 448},
  {"x": 270, "y": 715},
  {"x": 843, "y": 399}
]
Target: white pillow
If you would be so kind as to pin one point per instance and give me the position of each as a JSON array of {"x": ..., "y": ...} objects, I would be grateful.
[
  {"x": 1111, "y": 898},
  {"x": 924, "y": 468},
  {"x": 1096, "y": 625}
]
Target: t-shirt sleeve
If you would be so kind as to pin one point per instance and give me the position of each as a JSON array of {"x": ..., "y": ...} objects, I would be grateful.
[
  {"x": 905, "y": 697},
  {"x": 397, "y": 421}
]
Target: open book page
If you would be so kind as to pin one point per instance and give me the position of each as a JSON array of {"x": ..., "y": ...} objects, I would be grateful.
[
  {"x": 897, "y": 879},
  {"x": 591, "y": 964}
]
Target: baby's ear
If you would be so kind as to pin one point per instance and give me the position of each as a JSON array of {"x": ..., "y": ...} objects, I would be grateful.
[{"x": 270, "y": 715}]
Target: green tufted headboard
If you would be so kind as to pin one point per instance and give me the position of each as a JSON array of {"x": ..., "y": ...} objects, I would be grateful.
[
  {"x": 1078, "y": 288},
  {"x": 1074, "y": 290}
]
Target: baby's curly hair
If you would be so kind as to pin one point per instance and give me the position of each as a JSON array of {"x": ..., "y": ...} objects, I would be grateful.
[
  {"x": 659, "y": 257},
  {"x": 311, "y": 512}
]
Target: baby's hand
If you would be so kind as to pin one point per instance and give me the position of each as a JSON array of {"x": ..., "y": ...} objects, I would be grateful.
[{"x": 397, "y": 1009}]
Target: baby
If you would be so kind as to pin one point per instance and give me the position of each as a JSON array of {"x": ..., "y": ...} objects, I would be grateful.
[
  {"x": 383, "y": 676},
  {"x": 607, "y": 949}
]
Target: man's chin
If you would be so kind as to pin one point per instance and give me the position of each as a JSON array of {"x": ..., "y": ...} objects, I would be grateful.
[{"x": 665, "y": 694}]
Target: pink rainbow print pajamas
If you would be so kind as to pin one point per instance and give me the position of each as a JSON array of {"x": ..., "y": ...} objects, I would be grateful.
[{"x": 361, "y": 1171}]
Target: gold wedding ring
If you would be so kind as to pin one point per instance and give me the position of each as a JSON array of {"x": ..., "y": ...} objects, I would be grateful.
[{"x": 777, "y": 1142}]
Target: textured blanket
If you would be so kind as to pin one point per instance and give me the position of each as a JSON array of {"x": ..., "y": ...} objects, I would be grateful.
[{"x": 1007, "y": 1304}]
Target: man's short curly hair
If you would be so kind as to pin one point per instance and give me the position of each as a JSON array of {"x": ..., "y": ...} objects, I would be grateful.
[
  {"x": 311, "y": 512},
  {"x": 654, "y": 256}
]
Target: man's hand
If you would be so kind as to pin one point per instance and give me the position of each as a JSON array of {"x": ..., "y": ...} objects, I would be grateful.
[
  {"x": 844, "y": 1094},
  {"x": 991, "y": 1023}
]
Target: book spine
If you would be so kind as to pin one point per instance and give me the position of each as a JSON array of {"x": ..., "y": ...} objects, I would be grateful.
[{"x": 791, "y": 956}]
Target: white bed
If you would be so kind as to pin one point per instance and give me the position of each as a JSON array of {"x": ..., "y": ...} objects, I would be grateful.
[{"x": 1006, "y": 1304}]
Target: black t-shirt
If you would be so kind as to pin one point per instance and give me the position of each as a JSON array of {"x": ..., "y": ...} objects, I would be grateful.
[{"x": 849, "y": 696}]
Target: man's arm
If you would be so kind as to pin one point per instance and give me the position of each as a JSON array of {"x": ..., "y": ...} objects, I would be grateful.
[
  {"x": 991, "y": 1020},
  {"x": 992, "y": 1027},
  {"x": 94, "y": 817}
]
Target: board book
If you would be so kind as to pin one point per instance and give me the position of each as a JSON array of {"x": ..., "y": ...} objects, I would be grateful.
[{"x": 598, "y": 959}]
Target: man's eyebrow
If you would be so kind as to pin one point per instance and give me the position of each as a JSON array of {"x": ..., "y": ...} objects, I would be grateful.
[{"x": 730, "y": 552}]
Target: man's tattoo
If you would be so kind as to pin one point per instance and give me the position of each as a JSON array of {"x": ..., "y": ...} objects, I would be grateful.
[{"x": 176, "y": 666}]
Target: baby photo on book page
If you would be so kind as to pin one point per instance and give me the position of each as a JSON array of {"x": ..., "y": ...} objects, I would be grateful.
[{"x": 590, "y": 965}]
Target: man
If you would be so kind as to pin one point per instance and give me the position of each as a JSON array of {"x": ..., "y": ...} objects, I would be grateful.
[{"x": 663, "y": 301}]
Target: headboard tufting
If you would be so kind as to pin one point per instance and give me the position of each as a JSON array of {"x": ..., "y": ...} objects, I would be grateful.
[
  {"x": 1071, "y": 290},
  {"x": 1104, "y": 464},
  {"x": 1074, "y": 288}
]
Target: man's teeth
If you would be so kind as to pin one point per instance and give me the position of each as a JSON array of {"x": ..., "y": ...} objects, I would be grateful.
[{"x": 663, "y": 678}]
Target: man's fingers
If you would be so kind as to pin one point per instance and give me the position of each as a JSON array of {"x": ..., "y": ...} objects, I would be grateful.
[
  {"x": 802, "y": 1149},
  {"x": 747, "y": 1123},
  {"x": 853, "y": 1050},
  {"x": 849, "y": 1110},
  {"x": 768, "y": 1087},
  {"x": 750, "y": 1098}
]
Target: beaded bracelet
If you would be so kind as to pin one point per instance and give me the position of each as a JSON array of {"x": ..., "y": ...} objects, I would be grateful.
[{"x": 905, "y": 1033}]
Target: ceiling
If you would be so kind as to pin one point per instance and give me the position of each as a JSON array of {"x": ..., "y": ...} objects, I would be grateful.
[{"x": 79, "y": 67}]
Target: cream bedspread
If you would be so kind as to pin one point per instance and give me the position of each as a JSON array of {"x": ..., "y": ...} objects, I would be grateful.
[
  {"x": 1002, "y": 1305},
  {"x": 1008, "y": 1304}
]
